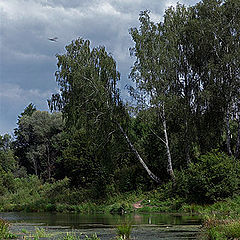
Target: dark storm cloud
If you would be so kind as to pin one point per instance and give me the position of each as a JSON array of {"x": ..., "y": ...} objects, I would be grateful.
[{"x": 28, "y": 62}]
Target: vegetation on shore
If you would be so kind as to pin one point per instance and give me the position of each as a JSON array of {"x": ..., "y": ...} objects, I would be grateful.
[{"x": 176, "y": 147}]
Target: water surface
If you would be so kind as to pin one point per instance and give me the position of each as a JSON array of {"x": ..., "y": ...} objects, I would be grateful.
[{"x": 145, "y": 226}]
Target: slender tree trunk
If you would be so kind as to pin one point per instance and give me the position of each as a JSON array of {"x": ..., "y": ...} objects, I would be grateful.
[
  {"x": 48, "y": 163},
  {"x": 228, "y": 134},
  {"x": 187, "y": 114},
  {"x": 187, "y": 147},
  {"x": 153, "y": 176},
  {"x": 169, "y": 166},
  {"x": 238, "y": 137},
  {"x": 35, "y": 166}
]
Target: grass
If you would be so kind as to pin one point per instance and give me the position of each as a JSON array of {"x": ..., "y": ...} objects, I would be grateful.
[
  {"x": 71, "y": 236},
  {"x": 39, "y": 233},
  {"x": 74, "y": 236},
  {"x": 227, "y": 207},
  {"x": 153, "y": 201},
  {"x": 4, "y": 230},
  {"x": 221, "y": 219},
  {"x": 124, "y": 231},
  {"x": 219, "y": 229},
  {"x": 93, "y": 237}
]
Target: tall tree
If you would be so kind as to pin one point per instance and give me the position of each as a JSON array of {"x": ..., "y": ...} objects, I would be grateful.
[
  {"x": 189, "y": 64},
  {"x": 36, "y": 138},
  {"x": 219, "y": 36},
  {"x": 89, "y": 99},
  {"x": 152, "y": 72}
]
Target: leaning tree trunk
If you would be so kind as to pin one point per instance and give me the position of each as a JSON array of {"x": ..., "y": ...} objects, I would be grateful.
[
  {"x": 153, "y": 176},
  {"x": 169, "y": 166},
  {"x": 228, "y": 134}
]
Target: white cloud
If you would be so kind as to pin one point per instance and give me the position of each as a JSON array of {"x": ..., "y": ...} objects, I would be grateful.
[
  {"x": 27, "y": 59},
  {"x": 105, "y": 8},
  {"x": 14, "y": 94},
  {"x": 13, "y": 100}
]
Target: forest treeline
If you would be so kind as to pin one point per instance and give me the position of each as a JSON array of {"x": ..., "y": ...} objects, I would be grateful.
[{"x": 182, "y": 126}]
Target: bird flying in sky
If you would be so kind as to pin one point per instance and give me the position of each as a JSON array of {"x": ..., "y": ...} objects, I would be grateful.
[{"x": 53, "y": 39}]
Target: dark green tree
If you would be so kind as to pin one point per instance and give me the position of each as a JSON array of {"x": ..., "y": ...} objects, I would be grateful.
[
  {"x": 37, "y": 137},
  {"x": 8, "y": 164}
]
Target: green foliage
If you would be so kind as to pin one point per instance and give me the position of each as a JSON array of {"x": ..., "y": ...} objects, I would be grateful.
[
  {"x": 120, "y": 208},
  {"x": 90, "y": 103},
  {"x": 214, "y": 176},
  {"x": 93, "y": 237},
  {"x": 71, "y": 236},
  {"x": 8, "y": 165},
  {"x": 221, "y": 229},
  {"x": 74, "y": 236},
  {"x": 24, "y": 231},
  {"x": 7, "y": 159},
  {"x": 39, "y": 233},
  {"x": 57, "y": 191},
  {"x": 124, "y": 230},
  {"x": 37, "y": 139},
  {"x": 4, "y": 228},
  {"x": 6, "y": 182},
  {"x": 187, "y": 83}
]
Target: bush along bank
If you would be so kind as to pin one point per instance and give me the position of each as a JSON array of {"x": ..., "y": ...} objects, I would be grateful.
[
  {"x": 205, "y": 188},
  {"x": 31, "y": 195},
  {"x": 201, "y": 188}
]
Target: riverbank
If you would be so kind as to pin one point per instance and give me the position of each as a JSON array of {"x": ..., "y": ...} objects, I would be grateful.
[
  {"x": 220, "y": 220},
  {"x": 33, "y": 196},
  {"x": 129, "y": 202}
]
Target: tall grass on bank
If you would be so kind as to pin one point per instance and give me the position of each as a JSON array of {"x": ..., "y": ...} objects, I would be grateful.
[
  {"x": 227, "y": 207},
  {"x": 4, "y": 230},
  {"x": 218, "y": 229}
]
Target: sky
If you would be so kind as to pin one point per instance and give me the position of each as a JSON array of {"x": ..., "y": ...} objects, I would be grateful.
[{"x": 28, "y": 58}]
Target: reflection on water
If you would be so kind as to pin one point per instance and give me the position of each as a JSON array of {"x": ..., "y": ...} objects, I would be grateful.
[
  {"x": 146, "y": 226},
  {"x": 99, "y": 220}
]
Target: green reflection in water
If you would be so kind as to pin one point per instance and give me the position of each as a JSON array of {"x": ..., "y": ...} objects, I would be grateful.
[{"x": 146, "y": 226}]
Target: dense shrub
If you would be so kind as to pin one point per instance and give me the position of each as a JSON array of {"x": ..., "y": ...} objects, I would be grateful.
[
  {"x": 213, "y": 177},
  {"x": 6, "y": 181},
  {"x": 57, "y": 191}
]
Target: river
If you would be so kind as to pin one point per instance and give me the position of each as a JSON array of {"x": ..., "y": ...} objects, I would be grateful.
[{"x": 145, "y": 226}]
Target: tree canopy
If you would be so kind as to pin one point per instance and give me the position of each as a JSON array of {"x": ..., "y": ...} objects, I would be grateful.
[{"x": 186, "y": 89}]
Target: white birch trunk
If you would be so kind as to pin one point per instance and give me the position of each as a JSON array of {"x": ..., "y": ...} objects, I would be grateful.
[
  {"x": 153, "y": 176},
  {"x": 169, "y": 166},
  {"x": 228, "y": 134},
  {"x": 238, "y": 137}
]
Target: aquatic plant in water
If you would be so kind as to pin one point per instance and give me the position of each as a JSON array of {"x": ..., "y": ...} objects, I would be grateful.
[
  {"x": 93, "y": 237},
  {"x": 71, "y": 236},
  {"x": 124, "y": 231},
  {"x": 74, "y": 236}
]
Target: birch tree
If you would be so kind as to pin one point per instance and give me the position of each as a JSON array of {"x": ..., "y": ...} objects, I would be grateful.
[
  {"x": 152, "y": 72},
  {"x": 89, "y": 99}
]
